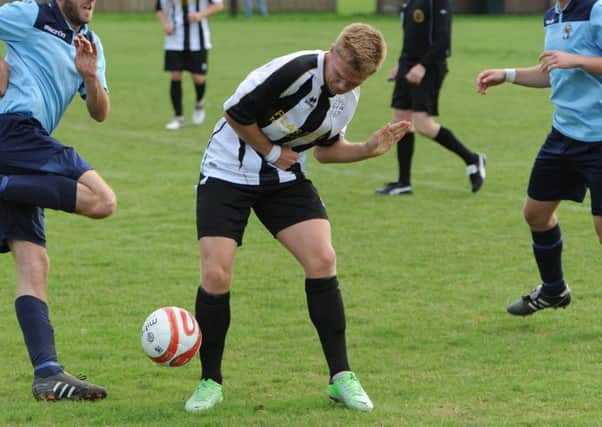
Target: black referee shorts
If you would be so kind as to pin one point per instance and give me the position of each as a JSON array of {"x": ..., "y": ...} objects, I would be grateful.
[
  {"x": 565, "y": 168},
  {"x": 423, "y": 97},
  {"x": 223, "y": 208},
  {"x": 186, "y": 60}
]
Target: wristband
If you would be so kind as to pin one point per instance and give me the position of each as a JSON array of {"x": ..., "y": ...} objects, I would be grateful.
[
  {"x": 510, "y": 75},
  {"x": 274, "y": 154}
]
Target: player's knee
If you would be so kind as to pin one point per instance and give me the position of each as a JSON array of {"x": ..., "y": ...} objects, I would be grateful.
[
  {"x": 216, "y": 280},
  {"x": 534, "y": 219},
  {"x": 104, "y": 207},
  {"x": 323, "y": 261}
]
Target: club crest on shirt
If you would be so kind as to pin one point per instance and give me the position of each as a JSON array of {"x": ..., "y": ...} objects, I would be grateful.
[
  {"x": 337, "y": 107},
  {"x": 566, "y": 31},
  {"x": 418, "y": 16}
]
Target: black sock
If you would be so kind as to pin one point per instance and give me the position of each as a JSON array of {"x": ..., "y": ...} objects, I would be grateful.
[
  {"x": 328, "y": 316},
  {"x": 200, "y": 92},
  {"x": 405, "y": 152},
  {"x": 175, "y": 91},
  {"x": 213, "y": 315},
  {"x": 448, "y": 140},
  {"x": 45, "y": 191},
  {"x": 547, "y": 248}
]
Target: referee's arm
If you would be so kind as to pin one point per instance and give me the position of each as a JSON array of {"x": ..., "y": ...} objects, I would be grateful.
[{"x": 441, "y": 33}]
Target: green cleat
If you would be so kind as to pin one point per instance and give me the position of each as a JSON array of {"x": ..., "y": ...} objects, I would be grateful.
[
  {"x": 207, "y": 394},
  {"x": 347, "y": 389}
]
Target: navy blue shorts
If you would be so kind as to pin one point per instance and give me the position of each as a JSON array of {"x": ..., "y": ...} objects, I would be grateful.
[
  {"x": 223, "y": 208},
  {"x": 27, "y": 149},
  {"x": 565, "y": 168}
]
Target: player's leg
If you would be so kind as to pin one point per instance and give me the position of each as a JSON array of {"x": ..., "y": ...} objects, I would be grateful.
[
  {"x": 426, "y": 107},
  {"x": 40, "y": 171},
  {"x": 405, "y": 153},
  {"x": 553, "y": 178},
  {"x": 174, "y": 64},
  {"x": 89, "y": 196},
  {"x": 222, "y": 213},
  {"x": 547, "y": 250},
  {"x": 31, "y": 305},
  {"x": 296, "y": 216},
  {"x": 95, "y": 199},
  {"x": 196, "y": 63},
  {"x": 212, "y": 311},
  {"x": 310, "y": 242},
  {"x": 401, "y": 102}
]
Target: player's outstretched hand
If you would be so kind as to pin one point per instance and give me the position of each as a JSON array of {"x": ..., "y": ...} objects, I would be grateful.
[
  {"x": 4, "y": 73},
  {"x": 489, "y": 78},
  {"x": 383, "y": 139},
  {"x": 86, "y": 57}
]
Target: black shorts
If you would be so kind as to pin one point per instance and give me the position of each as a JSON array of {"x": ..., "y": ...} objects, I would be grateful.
[
  {"x": 565, "y": 168},
  {"x": 423, "y": 97},
  {"x": 193, "y": 61},
  {"x": 223, "y": 208}
]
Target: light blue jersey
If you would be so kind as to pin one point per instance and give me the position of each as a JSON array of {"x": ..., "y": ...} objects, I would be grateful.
[
  {"x": 576, "y": 94},
  {"x": 41, "y": 57}
]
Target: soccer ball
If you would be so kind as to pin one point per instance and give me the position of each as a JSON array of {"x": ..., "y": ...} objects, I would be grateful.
[{"x": 170, "y": 336}]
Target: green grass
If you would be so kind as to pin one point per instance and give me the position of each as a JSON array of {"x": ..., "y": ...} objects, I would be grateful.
[{"x": 425, "y": 278}]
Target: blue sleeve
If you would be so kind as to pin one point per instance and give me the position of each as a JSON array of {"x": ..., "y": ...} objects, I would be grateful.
[
  {"x": 100, "y": 68},
  {"x": 596, "y": 23},
  {"x": 17, "y": 19}
]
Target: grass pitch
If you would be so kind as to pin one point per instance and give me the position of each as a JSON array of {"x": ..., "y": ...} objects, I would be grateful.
[{"x": 425, "y": 278}]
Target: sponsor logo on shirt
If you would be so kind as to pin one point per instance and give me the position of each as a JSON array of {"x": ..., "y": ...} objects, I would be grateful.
[{"x": 58, "y": 33}]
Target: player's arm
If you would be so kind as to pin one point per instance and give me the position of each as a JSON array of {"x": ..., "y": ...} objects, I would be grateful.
[
  {"x": 280, "y": 156},
  {"x": 4, "y": 73},
  {"x": 379, "y": 143},
  {"x": 86, "y": 59},
  {"x": 530, "y": 77},
  {"x": 552, "y": 59},
  {"x": 163, "y": 19},
  {"x": 212, "y": 9}
]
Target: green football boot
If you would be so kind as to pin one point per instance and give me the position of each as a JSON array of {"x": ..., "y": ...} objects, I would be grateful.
[
  {"x": 346, "y": 388},
  {"x": 207, "y": 394}
]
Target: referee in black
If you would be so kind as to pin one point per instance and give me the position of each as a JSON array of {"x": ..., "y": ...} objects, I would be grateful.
[{"x": 418, "y": 77}]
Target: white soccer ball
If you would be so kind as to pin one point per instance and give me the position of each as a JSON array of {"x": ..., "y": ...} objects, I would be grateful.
[{"x": 170, "y": 336}]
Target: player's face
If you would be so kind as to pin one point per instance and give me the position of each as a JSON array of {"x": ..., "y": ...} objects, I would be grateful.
[
  {"x": 77, "y": 12},
  {"x": 340, "y": 77}
]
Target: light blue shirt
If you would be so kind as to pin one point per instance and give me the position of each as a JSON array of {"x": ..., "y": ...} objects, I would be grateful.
[
  {"x": 41, "y": 57},
  {"x": 576, "y": 93}
]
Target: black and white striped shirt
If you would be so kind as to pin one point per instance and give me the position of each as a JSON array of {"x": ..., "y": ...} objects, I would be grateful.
[
  {"x": 289, "y": 101},
  {"x": 186, "y": 36}
]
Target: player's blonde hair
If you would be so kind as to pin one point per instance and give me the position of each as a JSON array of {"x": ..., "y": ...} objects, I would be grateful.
[{"x": 362, "y": 46}]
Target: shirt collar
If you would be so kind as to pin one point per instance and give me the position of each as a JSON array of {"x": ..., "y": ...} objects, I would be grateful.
[{"x": 566, "y": 6}]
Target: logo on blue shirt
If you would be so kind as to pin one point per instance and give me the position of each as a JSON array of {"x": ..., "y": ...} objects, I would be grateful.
[{"x": 57, "y": 33}]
